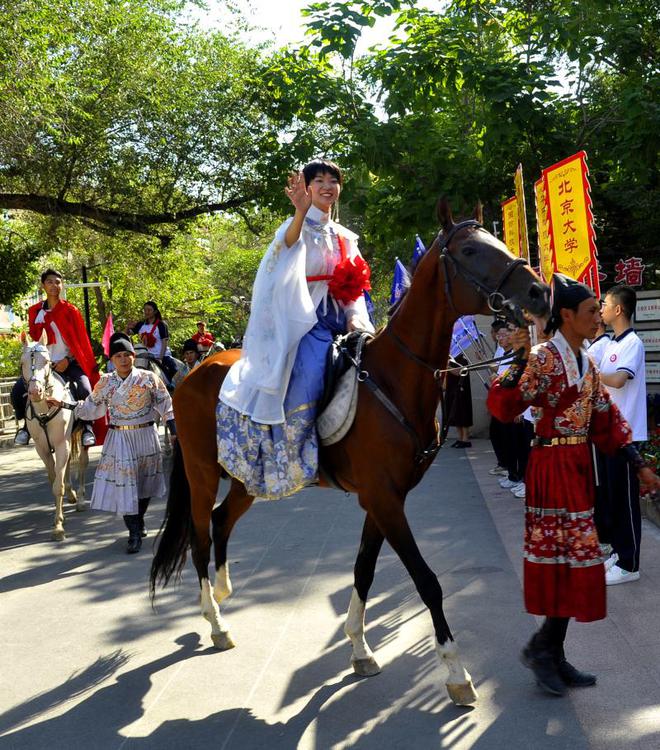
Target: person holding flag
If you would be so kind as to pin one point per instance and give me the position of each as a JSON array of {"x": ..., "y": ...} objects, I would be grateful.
[
  {"x": 69, "y": 348},
  {"x": 564, "y": 576}
]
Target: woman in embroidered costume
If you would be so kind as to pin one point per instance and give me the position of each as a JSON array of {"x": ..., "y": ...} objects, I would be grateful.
[
  {"x": 563, "y": 569},
  {"x": 309, "y": 288},
  {"x": 130, "y": 471}
]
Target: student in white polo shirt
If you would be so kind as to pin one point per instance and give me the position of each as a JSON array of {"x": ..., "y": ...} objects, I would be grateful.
[{"x": 622, "y": 371}]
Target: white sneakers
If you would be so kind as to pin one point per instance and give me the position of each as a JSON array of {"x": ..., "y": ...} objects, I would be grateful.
[
  {"x": 498, "y": 471},
  {"x": 618, "y": 575},
  {"x": 507, "y": 484},
  {"x": 519, "y": 490},
  {"x": 610, "y": 561}
]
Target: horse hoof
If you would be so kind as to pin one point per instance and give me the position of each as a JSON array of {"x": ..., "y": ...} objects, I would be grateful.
[
  {"x": 222, "y": 641},
  {"x": 365, "y": 667},
  {"x": 72, "y": 500},
  {"x": 462, "y": 693},
  {"x": 58, "y": 535},
  {"x": 80, "y": 507}
]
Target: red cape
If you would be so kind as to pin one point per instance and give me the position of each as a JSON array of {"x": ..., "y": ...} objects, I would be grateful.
[{"x": 70, "y": 324}]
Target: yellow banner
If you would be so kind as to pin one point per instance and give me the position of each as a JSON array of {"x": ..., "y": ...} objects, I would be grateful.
[
  {"x": 569, "y": 216},
  {"x": 510, "y": 225},
  {"x": 545, "y": 250},
  {"x": 522, "y": 213}
]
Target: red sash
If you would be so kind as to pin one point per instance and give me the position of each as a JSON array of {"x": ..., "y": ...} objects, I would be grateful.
[
  {"x": 148, "y": 338},
  {"x": 350, "y": 277}
]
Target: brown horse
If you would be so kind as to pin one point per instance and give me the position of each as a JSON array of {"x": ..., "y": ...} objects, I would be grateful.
[{"x": 381, "y": 458}]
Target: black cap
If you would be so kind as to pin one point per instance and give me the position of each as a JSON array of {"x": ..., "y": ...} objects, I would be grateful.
[
  {"x": 120, "y": 342},
  {"x": 566, "y": 293}
]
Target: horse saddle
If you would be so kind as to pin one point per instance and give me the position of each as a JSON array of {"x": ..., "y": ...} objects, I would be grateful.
[{"x": 339, "y": 402}]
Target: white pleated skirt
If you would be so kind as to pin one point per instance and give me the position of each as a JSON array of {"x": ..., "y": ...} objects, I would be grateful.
[{"x": 130, "y": 467}]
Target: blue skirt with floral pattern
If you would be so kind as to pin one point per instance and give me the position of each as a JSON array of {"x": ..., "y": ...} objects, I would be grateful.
[{"x": 274, "y": 461}]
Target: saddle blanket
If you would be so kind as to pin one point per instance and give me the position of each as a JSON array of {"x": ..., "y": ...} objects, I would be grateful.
[{"x": 336, "y": 419}]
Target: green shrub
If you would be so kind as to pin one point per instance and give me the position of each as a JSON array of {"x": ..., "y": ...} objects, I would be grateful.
[{"x": 10, "y": 356}]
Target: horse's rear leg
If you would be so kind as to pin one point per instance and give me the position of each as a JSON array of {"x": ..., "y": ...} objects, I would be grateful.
[
  {"x": 235, "y": 504},
  {"x": 83, "y": 461},
  {"x": 391, "y": 520},
  {"x": 362, "y": 658},
  {"x": 203, "y": 490}
]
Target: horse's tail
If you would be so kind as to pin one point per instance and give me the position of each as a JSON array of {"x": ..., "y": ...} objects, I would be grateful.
[
  {"x": 76, "y": 445},
  {"x": 174, "y": 535}
]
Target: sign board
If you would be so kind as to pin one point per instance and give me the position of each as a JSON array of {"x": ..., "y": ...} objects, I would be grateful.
[
  {"x": 648, "y": 309},
  {"x": 650, "y": 339},
  {"x": 653, "y": 372}
]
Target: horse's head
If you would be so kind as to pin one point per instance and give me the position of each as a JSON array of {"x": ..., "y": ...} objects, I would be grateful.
[
  {"x": 142, "y": 359},
  {"x": 482, "y": 275},
  {"x": 35, "y": 369}
]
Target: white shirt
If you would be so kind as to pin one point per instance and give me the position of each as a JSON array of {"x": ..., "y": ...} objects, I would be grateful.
[
  {"x": 59, "y": 349},
  {"x": 597, "y": 347},
  {"x": 625, "y": 353}
]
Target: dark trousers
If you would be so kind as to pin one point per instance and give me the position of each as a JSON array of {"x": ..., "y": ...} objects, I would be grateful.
[
  {"x": 74, "y": 375},
  {"x": 617, "y": 513},
  {"x": 497, "y": 434}
]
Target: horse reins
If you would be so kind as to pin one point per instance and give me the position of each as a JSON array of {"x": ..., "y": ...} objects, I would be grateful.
[
  {"x": 424, "y": 454},
  {"x": 41, "y": 419}
]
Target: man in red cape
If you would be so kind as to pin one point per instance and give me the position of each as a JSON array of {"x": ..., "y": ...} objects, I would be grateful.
[{"x": 69, "y": 348}]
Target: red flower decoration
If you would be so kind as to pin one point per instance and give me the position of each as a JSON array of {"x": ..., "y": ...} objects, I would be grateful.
[{"x": 349, "y": 279}]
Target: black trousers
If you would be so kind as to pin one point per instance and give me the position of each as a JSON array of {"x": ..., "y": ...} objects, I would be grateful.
[
  {"x": 498, "y": 439},
  {"x": 617, "y": 513},
  {"x": 74, "y": 375}
]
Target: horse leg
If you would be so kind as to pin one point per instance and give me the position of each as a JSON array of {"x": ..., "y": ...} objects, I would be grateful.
[
  {"x": 362, "y": 658},
  {"x": 392, "y": 521},
  {"x": 235, "y": 504},
  {"x": 83, "y": 461},
  {"x": 69, "y": 492},
  {"x": 61, "y": 462},
  {"x": 202, "y": 498}
]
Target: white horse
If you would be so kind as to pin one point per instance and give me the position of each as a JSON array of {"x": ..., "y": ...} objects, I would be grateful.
[{"x": 52, "y": 429}]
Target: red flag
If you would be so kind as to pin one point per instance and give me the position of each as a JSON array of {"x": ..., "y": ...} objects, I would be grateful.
[{"x": 107, "y": 333}]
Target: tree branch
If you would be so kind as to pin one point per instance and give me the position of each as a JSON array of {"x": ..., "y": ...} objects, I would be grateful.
[{"x": 116, "y": 219}]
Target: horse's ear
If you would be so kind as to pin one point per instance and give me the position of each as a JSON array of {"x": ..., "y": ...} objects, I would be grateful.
[
  {"x": 478, "y": 214},
  {"x": 23, "y": 339},
  {"x": 43, "y": 339},
  {"x": 444, "y": 214}
]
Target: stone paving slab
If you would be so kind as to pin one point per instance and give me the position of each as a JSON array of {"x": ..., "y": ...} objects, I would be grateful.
[{"x": 89, "y": 664}]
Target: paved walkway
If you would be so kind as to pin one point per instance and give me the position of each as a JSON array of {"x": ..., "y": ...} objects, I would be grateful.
[{"x": 88, "y": 664}]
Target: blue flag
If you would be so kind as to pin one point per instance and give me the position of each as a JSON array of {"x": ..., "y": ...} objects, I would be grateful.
[
  {"x": 400, "y": 282},
  {"x": 418, "y": 251},
  {"x": 464, "y": 334}
]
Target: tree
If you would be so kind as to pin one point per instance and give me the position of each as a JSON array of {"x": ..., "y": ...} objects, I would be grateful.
[{"x": 121, "y": 117}]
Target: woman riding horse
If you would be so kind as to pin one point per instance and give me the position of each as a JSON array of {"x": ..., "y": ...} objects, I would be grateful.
[
  {"x": 309, "y": 288},
  {"x": 387, "y": 450}
]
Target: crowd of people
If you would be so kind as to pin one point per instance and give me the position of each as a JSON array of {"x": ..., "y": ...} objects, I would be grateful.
[{"x": 557, "y": 411}]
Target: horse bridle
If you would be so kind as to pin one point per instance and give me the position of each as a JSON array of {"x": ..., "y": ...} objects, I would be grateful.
[
  {"x": 42, "y": 419},
  {"x": 494, "y": 297}
]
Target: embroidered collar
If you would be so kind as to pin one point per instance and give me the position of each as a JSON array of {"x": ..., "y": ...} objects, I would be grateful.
[
  {"x": 569, "y": 360},
  {"x": 316, "y": 216},
  {"x": 623, "y": 335}
]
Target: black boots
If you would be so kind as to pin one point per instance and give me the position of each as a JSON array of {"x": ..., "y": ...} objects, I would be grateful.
[
  {"x": 135, "y": 525},
  {"x": 143, "y": 504},
  {"x": 553, "y": 673},
  {"x": 543, "y": 662},
  {"x": 134, "y": 535},
  {"x": 571, "y": 676}
]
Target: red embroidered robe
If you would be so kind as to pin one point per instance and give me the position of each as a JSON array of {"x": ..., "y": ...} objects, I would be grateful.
[{"x": 563, "y": 570}]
